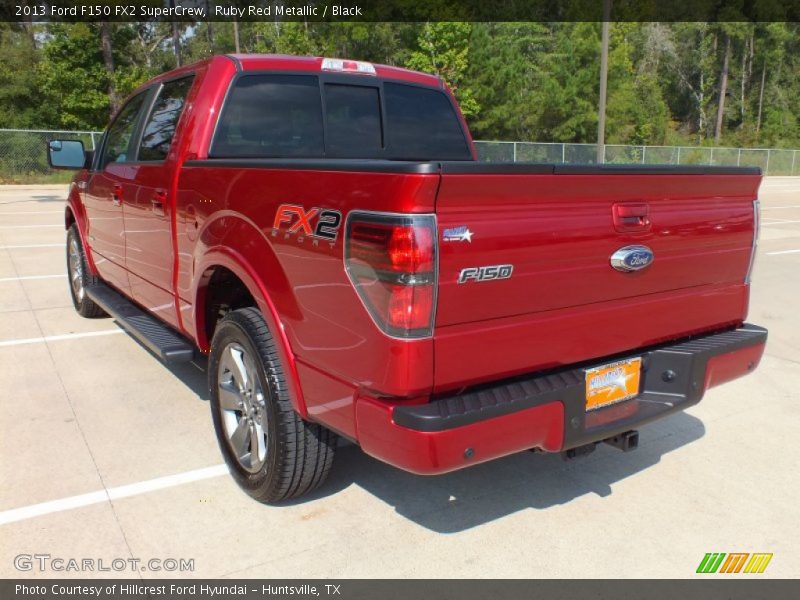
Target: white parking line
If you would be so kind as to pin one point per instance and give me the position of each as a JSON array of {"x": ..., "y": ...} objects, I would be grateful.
[
  {"x": 57, "y": 338},
  {"x": 783, "y": 252},
  {"x": 31, "y": 246},
  {"x": 32, "y": 277},
  {"x": 32, "y": 212},
  {"x": 115, "y": 493},
  {"x": 30, "y": 226}
]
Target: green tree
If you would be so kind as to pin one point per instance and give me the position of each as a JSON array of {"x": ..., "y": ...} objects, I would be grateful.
[
  {"x": 19, "y": 84},
  {"x": 443, "y": 49},
  {"x": 505, "y": 76},
  {"x": 75, "y": 79}
]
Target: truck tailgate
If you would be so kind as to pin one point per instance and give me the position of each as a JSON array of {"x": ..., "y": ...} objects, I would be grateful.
[{"x": 554, "y": 232}]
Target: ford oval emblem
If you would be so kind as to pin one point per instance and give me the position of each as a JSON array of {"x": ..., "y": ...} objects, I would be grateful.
[{"x": 632, "y": 258}]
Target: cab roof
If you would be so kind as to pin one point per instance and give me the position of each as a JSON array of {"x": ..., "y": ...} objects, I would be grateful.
[
  {"x": 313, "y": 64},
  {"x": 310, "y": 64}
]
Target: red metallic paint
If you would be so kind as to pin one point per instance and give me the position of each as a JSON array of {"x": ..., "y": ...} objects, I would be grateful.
[
  {"x": 431, "y": 453},
  {"x": 326, "y": 324},
  {"x": 471, "y": 353},
  {"x": 701, "y": 231}
]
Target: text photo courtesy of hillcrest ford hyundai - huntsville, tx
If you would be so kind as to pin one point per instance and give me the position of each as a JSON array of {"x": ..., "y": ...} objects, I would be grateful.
[{"x": 282, "y": 318}]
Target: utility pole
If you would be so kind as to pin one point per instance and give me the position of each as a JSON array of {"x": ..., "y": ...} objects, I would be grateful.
[
  {"x": 236, "y": 36},
  {"x": 176, "y": 38},
  {"x": 601, "y": 110}
]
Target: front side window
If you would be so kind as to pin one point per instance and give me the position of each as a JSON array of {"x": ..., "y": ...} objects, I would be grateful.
[
  {"x": 271, "y": 116},
  {"x": 120, "y": 134},
  {"x": 160, "y": 127}
]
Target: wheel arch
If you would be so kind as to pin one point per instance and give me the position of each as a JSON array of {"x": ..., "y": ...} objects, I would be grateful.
[
  {"x": 220, "y": 265},
  {"x": 74, "y": 214}
]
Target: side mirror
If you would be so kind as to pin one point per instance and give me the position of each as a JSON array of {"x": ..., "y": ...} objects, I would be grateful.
[{"x": 66, "y": 154}]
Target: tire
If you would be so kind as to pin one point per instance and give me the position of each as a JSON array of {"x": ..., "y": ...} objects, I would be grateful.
[
  {"x": 80, "y": 276},
  {"x": 271, "y": 452}
]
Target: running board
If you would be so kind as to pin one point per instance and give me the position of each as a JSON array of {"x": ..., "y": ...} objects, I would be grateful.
[{"x": 162, "y": 341}]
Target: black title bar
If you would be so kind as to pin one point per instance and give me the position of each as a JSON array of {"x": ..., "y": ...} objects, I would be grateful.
[{"x": 197, "y": 11}]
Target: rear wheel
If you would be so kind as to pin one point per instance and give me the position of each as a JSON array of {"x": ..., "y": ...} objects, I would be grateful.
[
  {"x": 80, "y": 276},
  {"x": 272, "y": 453}
]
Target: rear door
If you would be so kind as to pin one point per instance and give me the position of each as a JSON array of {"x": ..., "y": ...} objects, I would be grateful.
[
  {"x": 106, "y": 192},
  {"x": 150, "y": 210}
]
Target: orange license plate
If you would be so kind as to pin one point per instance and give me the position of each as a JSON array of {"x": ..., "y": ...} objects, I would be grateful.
[{"x": 613, "y": 383}]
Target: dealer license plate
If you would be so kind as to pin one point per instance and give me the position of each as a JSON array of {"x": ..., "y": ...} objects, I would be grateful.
[{"x": 613, "y": 382}]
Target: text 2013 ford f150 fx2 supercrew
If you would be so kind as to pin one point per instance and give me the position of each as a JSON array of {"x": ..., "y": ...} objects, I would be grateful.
[{"x": 321, "y": 229}]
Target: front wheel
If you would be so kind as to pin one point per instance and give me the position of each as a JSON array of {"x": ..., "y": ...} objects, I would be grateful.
[
  {"x": 272, "y": 453},
  {"x": 80, "y": 276}
]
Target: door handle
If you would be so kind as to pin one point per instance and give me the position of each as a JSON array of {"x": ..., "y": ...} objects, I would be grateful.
[
  {"x": 157, "y": 201},
  {"x": 631, "y": 217},
  {"x": 116, "y": 195}
]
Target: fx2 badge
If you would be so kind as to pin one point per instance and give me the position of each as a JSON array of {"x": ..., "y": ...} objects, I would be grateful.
[
  {"x": 488, "y": 273},
  {"x": 319, "y": 224}
]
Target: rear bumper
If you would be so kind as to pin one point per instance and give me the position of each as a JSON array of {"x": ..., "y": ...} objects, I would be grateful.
[{"x": 548, "y": 411}]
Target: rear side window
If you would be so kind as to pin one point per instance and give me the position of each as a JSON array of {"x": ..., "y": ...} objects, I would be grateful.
[
  {"x": 160, "y": 127},
  {"x": 271, "y": 116},
  {"x": 353, "y": 119},
  {"x": 422, "y": 124}
]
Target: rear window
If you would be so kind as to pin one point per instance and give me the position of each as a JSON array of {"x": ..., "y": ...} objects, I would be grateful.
[
  {"x": 422, "y": 124},
  {"x": 271, "y": 116},
  {"x": 353, "y": 117},
  {"x": 281, "y": 116}
]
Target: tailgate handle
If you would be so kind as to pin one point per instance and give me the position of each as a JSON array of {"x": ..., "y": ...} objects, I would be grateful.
[{"x": 631, "y": 217}]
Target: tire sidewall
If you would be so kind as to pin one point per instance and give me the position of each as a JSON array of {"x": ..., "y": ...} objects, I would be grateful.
[
  {"x": 72, "y": 233},
  {"x": 233, "y": 328}
]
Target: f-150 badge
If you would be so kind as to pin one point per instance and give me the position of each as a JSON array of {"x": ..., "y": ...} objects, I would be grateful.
[
  {"x": 487, "y": 273},
  {"x": 457, "y": 234}
]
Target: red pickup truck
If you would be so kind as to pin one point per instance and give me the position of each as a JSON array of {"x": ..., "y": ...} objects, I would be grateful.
[{"x": 322, "y": 230}]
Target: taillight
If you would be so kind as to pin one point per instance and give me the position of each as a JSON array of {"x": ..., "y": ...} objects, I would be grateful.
[
  {"x": 756, "y": 227},
  {"x": 391, "y": 261}
]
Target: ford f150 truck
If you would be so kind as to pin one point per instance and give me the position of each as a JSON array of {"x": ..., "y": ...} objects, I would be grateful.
[{"x": 323, "y": 231}]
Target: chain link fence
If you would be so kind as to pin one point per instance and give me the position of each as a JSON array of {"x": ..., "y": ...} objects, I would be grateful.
[
  {"x": 773, "y": 161},
  {"x": 23, "y": 156}
]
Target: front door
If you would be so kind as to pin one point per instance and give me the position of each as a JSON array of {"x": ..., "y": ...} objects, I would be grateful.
[{"x": 106, "y": 192}]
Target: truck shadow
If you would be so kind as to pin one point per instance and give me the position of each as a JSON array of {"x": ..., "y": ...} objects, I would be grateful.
[
  {"x": 464, "y": 499},
  {"x": 50, "y": 198},
  {"x": 471, "y": 497}
]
